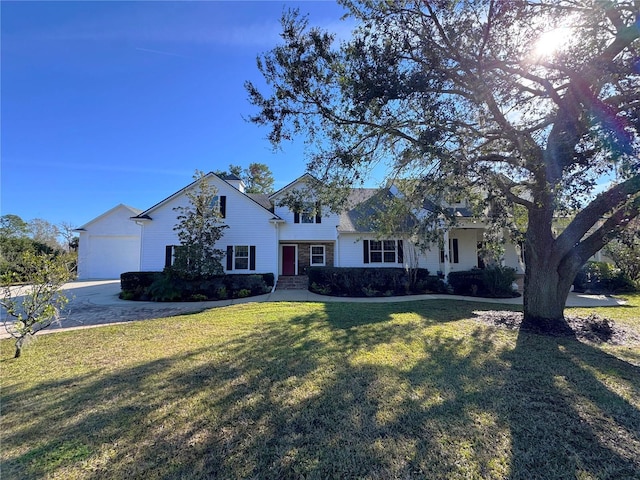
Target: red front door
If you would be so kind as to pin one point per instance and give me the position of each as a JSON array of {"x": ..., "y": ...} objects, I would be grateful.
[{"x": 288, "y": 260}]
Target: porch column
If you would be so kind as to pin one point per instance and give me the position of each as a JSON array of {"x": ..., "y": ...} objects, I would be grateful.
[{"x": 447, "y": 262}]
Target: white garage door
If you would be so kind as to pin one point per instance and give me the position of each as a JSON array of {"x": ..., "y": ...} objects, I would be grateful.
[{"x": 109, "y": 256}]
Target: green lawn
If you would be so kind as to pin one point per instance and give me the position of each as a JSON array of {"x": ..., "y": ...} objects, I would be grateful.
[{"x": 311, "y": 390}]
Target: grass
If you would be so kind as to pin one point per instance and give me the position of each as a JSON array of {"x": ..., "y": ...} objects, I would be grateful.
[{"x": 311, "y": 390}]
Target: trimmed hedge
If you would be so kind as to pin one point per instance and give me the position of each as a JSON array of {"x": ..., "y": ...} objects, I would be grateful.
[
  {"x": 131, "y": 281},
  {"x": 168, "y": 287},
  {"x": 371, "y": 282},
  {"x": 494, "y": 282}
]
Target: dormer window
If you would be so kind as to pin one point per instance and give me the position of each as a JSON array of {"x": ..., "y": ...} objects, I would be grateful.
[{"x": 308, "y": 214}]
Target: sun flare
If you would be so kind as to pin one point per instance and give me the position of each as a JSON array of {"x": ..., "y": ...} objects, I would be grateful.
[{"x": 551, "y": 41}]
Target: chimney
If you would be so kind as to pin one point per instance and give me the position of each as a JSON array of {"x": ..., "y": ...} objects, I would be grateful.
[{"x": 236, "y": 182}]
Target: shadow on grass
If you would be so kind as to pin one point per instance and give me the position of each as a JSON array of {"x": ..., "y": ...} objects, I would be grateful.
[
  {"x": 567, "y": 420},
  {"x": 374, "y": 391}
]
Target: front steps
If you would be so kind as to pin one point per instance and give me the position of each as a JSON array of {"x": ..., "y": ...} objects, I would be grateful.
[{"x": 294, "y": 282}]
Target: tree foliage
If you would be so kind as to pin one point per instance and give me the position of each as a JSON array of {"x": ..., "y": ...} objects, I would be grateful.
[
  {"x": 625, "y": 252},
  {"x": 199, "y": 227},
  {"x": 12, "y": 226},
  {"x": 38, "y": 303},
  {"x": 43, "y": 231},
  {"x": 462, "y": 95},
  {"x": 257, "y": 177}
]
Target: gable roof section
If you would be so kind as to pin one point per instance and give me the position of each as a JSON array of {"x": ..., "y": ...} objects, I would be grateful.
[
  {"x": 302, "y": 179},
  {"x": 255, "y": 198},
  {"x": 132, "y": 210}
]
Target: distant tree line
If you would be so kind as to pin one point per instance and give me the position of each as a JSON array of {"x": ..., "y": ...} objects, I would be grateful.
[{"x": 37, "y": 236}]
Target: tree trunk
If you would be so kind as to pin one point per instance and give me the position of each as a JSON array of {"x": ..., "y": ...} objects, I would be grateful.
[
  {"x": 545, "y": 296},
  {"x": 19, "y": 343},
  {"x": 548, "y": 278}
]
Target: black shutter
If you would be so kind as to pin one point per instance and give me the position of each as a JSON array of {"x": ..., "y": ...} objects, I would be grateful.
[
  {"x": 252, "y": 257},
  {"x": 229, "y": 257},
  {"x": 223, "y": 206},
  {"x": 456, "y": 257},
  {"x": 168, "y": 255},
  {"x": 318, "y": 213},
  {"x": 400, "y": 252},
  {"x": 296, "y": 217},
  {"x": 365, "y": 245}
]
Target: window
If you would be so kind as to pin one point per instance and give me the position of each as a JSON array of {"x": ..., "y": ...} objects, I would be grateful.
[
  {"x": 318, "y": 255},
  {"x": 241, "y": 257},
  {"x": 453, "y": 250},
  {"x": 310, "y": 213},
  {"x": 383, "y": 251},
  {"x": 219, "y": 204},
  {"x": 454, "y": 253},
  {"x": 307, "y": 216}
]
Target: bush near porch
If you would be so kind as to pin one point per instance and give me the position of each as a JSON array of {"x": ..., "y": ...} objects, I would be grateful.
[
  {"x": 373, "y": 282},
  {"x": 168, "y": 287},
  {"x": 493, "y": 282}
]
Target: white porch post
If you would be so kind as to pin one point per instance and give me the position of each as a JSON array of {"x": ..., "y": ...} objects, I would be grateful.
[{"x": 447, "y": 263}]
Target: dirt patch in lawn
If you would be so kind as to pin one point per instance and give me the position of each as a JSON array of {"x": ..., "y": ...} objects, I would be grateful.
[{"x": 591, "y": 328}]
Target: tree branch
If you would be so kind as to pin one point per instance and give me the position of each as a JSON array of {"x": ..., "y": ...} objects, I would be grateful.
[{"x": 598, "y": 208}]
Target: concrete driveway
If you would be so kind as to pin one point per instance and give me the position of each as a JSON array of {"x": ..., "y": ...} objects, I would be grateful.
[{"x": 95, "y": 303}]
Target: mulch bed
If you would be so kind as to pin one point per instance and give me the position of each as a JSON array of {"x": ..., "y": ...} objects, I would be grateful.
[{"x": 593, "y": 328}]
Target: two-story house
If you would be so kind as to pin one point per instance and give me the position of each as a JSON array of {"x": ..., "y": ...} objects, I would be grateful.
[{"x": 265, "y": 234}]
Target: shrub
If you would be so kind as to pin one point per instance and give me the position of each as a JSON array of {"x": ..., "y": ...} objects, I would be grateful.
[
  {"x": 601, "y": 277},
  {"x": 498, "y": 281},
  {"x": 431, "y": 284},
  {"x": 136, "y": 281},
  {"x": 170, "y": 286},
  {"x": 495, "y": 282},
  {"x": 165, "y": 289},
  {"x": 468, "y": 282},
  {"x": 198, "y": 297},
  {"x": 320, "y": 289},
  {"x": 244, "y": 293},
  {"x": 369, "y": 282}
]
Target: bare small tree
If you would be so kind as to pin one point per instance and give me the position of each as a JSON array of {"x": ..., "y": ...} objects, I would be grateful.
[{"x": 37, "y": 304}]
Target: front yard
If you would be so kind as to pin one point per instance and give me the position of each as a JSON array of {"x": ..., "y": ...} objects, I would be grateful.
[{"x": 311, "y": 390}]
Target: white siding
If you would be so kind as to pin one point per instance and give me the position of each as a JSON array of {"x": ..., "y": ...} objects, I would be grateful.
[
  {"x": 291, "y": 231},
  {"x": 350, "y": 253},
  {"x": 512, "y": 257},
  {"x": 109, "y": 245},
  {"x": 467, "y": 249},
  {"x": 248, "y": 225}
]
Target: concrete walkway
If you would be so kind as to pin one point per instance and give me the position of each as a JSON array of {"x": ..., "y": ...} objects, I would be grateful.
[{"x": 94, "y": 303}]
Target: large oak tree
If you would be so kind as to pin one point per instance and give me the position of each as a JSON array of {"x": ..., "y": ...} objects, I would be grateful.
[{"x": 534, "y": 102}]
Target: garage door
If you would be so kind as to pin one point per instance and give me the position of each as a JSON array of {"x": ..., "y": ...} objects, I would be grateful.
[{"x": 109, "y": 256}]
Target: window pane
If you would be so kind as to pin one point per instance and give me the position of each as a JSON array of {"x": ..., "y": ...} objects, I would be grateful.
[
  {"x": 242, "y": 251},
  {"x": 375, "y": 245},
  {"x": 317, "y": 250},
  {"x": 376, "y": 257},
  {"x": 390, "y": 257},
  {"x": 390, "y": 245},
  {"x": 242, "y": 264}
]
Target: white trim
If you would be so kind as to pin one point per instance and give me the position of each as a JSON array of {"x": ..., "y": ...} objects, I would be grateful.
[
  {"x": 235, "y": 257},
  {"x": 324, "y": 256}
]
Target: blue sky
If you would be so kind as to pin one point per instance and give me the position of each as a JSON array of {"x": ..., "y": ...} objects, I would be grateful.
[{"x": 120, "y": 102}]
